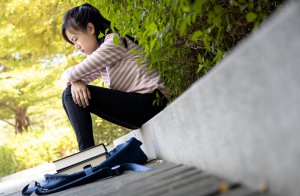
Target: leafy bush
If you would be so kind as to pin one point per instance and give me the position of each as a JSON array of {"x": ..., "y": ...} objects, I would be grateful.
[
  {"x": 31, "y": 149},
  {"x": 8, "y": 162},
  {"x": 184, "y": 39}
]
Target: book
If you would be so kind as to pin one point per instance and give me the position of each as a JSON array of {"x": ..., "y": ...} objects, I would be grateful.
[
  {"x": 92, "y": 156},
  {"x": 94, "y": 161}
]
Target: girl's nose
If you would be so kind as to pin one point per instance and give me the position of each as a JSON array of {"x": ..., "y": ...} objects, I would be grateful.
[{"x": 77, "y": 46}]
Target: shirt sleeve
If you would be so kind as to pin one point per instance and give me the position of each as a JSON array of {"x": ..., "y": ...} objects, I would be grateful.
[
  {"x": 91, "y": 77},
  {"x": 106, "y": 55}
]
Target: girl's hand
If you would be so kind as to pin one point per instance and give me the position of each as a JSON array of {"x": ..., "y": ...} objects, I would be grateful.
[{"x": 80, "y": 93}]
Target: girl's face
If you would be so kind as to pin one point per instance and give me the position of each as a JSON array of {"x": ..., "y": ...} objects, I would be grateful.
[{"x": 84, "y": 41}]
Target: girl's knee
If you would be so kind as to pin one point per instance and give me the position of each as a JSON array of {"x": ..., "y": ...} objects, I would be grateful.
[
  {"x": 66, "y": 93},
  {"x": 67, "y": 90}
]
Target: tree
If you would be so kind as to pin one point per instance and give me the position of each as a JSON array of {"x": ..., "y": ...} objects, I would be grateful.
[
  {"x": 31, "y": 30},
  {"x": 22, "y": 89}
]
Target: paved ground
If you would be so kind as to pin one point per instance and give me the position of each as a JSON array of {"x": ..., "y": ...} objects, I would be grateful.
[
  {"x": 165, "y": 179},
  {"x": 15, "y": 182}
]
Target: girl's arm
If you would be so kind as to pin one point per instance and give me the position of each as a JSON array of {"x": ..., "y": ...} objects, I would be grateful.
[{"x": 86, "y": 79}]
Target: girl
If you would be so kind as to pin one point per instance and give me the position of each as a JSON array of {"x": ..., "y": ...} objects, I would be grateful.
[{"x": 132, "y": 89}]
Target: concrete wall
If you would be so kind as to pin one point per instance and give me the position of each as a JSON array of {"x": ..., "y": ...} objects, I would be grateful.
[{"x": 242, "y": 120}]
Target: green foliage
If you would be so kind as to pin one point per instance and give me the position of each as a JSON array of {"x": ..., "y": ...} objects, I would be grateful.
[
  {"x": 31, "y": 30},
  {"x": 185, "y": 39},
  {"x": 24, "y": 93},
  {"x": 8, "y": 162},
  {"x": 32, "y": 148}
]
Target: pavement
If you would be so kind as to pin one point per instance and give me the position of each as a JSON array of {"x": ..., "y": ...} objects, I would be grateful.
[{"x": 14, "y": 183}]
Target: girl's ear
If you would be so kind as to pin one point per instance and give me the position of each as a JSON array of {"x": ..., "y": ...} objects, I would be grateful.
[{"x": 90, "y": 28}]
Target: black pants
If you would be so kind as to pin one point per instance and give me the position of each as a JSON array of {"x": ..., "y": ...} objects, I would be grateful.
[{"x": 130, "y": 110}]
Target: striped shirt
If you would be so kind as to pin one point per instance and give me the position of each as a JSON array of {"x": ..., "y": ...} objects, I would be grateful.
[{"x": 117, "y": 65}]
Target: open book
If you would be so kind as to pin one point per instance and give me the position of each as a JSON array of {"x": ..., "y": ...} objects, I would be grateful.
[{"x": 92, "y": 156}]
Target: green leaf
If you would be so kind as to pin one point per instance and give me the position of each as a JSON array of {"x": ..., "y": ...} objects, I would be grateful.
[
  {"x": 152, "y": 28},
  {"x": 157, "y": 95},
  {"x": 196, "y": 35},
  {"x": 218, "y": 9},
  {"x": 116, "y": 40},
  {"x": 134, "y": 52},
  {"x": 185, "y": 8},
  {"x": 100, "y": 35},
  {"x": 112, "y": 27},
  {"x": 153, "y": 103},
  {"x": 200, "y": 59},
  {"x": 152, "y": 44},
  {"x": 201, "y": 66},
  {"x": 251, "y": 16},
  {"x": 217, "y": 21},
  {"x": 139, "y": 61},
  {"x": 206, "y": 42}
]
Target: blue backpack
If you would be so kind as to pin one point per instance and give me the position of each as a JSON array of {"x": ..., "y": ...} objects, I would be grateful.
[{"x": 126, "y": 156}]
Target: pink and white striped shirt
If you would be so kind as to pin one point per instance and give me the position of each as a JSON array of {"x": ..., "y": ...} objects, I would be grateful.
[{"x": 118, "y": 68}]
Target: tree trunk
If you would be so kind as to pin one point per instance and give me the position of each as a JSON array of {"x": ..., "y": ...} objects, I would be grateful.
[{"x": 22, "y": 120}]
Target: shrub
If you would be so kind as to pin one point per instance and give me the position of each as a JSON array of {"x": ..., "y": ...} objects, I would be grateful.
[
  {"x": 31, "y": 149},
  {"x": 8, "y": 161},
  {"x": 184, "y": 39}
]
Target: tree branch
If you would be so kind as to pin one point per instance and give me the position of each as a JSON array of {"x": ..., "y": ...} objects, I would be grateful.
[{"x": 8, "y": 123}]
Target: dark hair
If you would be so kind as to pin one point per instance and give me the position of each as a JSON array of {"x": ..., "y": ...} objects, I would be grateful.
[{"x": 79, "y": 17}]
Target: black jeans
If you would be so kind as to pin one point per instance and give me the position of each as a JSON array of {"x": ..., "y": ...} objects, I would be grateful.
[{"x": 130, "y": 110}]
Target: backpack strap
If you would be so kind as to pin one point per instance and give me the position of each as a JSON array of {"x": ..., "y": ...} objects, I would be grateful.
[
  {"x": 90, "y": 176},
  {"x": 88, "y": 170},
  {"x": 28, "y": 190}
]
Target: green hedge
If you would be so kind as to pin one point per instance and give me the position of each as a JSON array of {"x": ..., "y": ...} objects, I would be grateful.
[
  {"x": 8, "y": 163},
  {"x": 186, "y": 38},
  {"x": 31, "y": 149}
]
